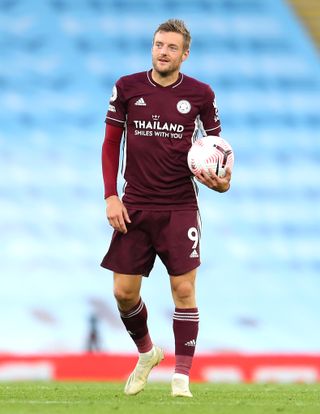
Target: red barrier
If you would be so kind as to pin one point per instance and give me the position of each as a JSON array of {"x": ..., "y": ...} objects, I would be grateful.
[{"x": 116, "y": 367}]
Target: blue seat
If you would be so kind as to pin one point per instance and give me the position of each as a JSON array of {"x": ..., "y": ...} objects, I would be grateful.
[{"x": 260, "y": 241}]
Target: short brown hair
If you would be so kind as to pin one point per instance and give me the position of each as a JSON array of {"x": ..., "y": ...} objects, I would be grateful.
[{"x": 176, "y": 26}]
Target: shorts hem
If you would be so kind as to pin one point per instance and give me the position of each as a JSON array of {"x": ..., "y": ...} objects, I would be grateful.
[
  {"x": 183, "y": 272},
  {"x": 115, "y": 270}
]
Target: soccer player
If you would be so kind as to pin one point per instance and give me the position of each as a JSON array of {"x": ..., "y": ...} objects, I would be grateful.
[{"x": 159, "y": 112}]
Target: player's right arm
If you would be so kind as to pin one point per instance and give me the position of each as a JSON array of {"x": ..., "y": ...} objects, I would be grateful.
[{"x": 116, "y": 212}]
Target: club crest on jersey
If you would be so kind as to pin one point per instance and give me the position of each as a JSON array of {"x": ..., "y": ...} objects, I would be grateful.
[
  {"x": 114, "y": 94},
  {"x": 184, "y": 106}
]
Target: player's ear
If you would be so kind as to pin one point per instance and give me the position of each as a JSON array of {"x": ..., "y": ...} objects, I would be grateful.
[{"x": 185, "y": 55}]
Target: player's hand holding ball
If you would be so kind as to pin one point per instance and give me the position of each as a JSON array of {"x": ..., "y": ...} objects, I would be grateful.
[
  {"x": 211, "y": 160},
  {"x": 215, "y": 182}
]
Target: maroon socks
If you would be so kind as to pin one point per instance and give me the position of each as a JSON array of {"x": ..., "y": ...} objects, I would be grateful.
[
  {"x": 185, "y": 329},
  {"x": 135, "y": 321}
]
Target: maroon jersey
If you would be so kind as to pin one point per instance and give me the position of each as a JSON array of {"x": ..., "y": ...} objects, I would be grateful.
[{"x": 161, "y": 124}]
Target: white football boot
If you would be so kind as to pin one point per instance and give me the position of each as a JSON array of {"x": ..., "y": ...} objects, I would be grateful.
[
  {"x": 180, "y": 386},
  {"x": 138, "y": 378}
]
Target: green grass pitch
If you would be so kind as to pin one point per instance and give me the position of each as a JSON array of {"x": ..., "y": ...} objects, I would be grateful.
[{"x": 105, "y": 397}]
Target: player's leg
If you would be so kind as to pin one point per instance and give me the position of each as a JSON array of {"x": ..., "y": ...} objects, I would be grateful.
[
  {"x": 129, "y": 256},
  {"x": 134, "y": 315},
  {"x": 133, "y": 311},
  {"x": 185, "y": 328},
  {"x": 177, "y": 244}
]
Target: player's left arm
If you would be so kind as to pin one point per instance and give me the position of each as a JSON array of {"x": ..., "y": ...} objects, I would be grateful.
[
  {"x": 209, "y": 116},
  {"x": 219, "y": 184}
]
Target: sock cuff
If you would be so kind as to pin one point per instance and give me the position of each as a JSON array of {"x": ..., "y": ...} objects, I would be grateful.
[
  {"x": 133, "y": 311},
  {"x": 186, "y": 315}
]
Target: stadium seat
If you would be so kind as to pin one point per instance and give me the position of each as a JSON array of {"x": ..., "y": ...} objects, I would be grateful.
[{"x": 258, "y": 283}]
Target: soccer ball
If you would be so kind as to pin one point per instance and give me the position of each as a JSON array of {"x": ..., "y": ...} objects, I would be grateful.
[{"x": 210, "y": 152}]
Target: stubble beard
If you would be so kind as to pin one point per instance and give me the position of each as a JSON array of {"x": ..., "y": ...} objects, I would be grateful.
[{"x": 164, "y": 73}]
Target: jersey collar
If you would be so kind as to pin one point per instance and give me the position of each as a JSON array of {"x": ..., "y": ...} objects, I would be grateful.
[{"x": 156, "y": 85}]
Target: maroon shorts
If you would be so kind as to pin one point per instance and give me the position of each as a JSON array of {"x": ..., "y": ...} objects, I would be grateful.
[{"x": 172, "y": 235}]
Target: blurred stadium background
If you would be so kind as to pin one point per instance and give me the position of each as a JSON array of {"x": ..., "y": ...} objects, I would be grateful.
[{"x": 259, "y": 284}]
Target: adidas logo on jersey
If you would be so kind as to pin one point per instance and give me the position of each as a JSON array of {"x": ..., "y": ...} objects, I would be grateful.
[
  {"x": 194, "y": 254},
  {"x": 140, "y": 102},
  {"x": 191, "y": 343}
]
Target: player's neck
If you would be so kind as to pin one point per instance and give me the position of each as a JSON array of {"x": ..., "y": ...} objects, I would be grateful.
[{"x": 165, "y": 80}]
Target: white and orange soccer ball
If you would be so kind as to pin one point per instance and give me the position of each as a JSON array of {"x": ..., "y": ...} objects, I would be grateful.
[{"x": 210, "y": 152}]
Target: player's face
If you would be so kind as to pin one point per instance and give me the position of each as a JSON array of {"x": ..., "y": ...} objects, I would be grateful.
[{"x": 168, "y": 53}]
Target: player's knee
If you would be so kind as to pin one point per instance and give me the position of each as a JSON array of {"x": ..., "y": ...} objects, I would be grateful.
[
  {"x": 184, "y": 291},
  {"x": 124, "y": 296}
]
